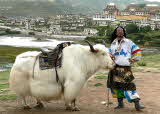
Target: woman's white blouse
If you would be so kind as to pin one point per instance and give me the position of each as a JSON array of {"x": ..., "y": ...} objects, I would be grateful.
[{"x": 124, "y": 51}]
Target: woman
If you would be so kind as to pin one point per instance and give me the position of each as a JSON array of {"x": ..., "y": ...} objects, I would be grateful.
[{"x": 120, "y": 80}]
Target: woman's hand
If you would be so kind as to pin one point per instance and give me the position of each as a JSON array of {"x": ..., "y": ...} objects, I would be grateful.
[{"x": 132, "y": 61}]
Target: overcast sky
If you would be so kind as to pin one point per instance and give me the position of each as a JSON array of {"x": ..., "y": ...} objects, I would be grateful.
[
  {"x": 153, "y": 0},
  {"x": 29, "y": 0},
  {"x": 66, "y": 0}
]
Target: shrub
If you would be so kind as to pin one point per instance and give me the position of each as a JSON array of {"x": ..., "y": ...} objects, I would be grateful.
[
  {"x": 142, "y": 64},
  {"x": 101, "y": 77},
  {"x": 31, "y": 33},
  {"x": 98, "y": 84}
]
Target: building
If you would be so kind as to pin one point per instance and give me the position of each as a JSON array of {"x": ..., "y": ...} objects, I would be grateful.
[
  {"x": 139, "y": 20},
  {"x": 90, "y": 31},
  {"x": 103, "y": 20},
  {"x": 111, "y": 9},
  {"x": 135, "y": 9},
  {"x": 109, "y": 14},
  {"x": 139, "y": 14}
]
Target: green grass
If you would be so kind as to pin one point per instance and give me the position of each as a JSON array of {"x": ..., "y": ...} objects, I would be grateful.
[
  {"x": 4, "y": 91},
  {"x": 147, "y": 61},
  {"x": 150, "y": 61},
  {"x": 8, "y": 54},
  {"x": 8, "y": 97},
  {"x": 101, "y": 77},
  {"x": 98, "y": 84},
  {"x": 4, "y": 86},
  {"x": 4, "y": 76},
  {"x": 141, "y": 63}
]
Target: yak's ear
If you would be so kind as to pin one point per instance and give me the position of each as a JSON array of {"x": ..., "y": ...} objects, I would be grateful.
[{"x": 95, "y": 51}]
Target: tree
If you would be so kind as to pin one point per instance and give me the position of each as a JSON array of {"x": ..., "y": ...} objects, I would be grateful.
[
  {"x": 140, "y": 38},
  {"x": 132, "y": 28},
  {"x": 31, "y": 33},
  {"x": 88, "y": 23},
  {"x": 7, "y": 30},
  {"x": 105, "y": 30},
  {"x": 145, "y": 29},
  {"x": 142, "y": 5}
]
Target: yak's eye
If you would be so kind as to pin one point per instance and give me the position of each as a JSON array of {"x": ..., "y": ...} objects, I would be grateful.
[{"x": 103, "y": 54}]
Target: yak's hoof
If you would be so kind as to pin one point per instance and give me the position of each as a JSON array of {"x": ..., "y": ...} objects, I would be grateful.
[
  {"x": 72, "y": 109},
  {"x": 39, "y": 106},
  {"x": 26, "y": 107},
  {"x": 75, "y": 109},
  {"x": 69, "y": 108}
]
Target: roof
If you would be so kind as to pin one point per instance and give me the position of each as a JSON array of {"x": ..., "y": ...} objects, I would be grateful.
[
  {"x": 111, "y": 4},
  {"x": 132, "y": 17}
]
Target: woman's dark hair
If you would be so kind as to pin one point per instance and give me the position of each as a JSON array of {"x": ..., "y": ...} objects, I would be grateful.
[{"x": 114, "y": 36}]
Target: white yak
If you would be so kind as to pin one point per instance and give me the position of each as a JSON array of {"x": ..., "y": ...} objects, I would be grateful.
[{"x": 78, "y": 64}]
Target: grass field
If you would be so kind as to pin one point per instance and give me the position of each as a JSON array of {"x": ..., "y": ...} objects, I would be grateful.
[
  {"x": 8, "y": 54},
  {"x": 148, "y": 61},
  {"x": 4, "y": 75},
  {"x": 4, "y": 87},
  {"x": 152, "y": 60}
]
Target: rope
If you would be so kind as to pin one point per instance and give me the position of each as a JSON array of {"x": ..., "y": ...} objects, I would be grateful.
[{"x": 34, "y": 65}]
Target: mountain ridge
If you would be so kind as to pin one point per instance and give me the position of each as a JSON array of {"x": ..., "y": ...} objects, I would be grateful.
[{"x": 53, "y": 7}]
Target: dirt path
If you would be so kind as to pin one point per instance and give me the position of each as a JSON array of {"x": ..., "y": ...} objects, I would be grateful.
[{"x": 90, "y": 99}]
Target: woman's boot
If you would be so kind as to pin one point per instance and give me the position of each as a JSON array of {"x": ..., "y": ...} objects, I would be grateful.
[
  {"x": 138, "y": 106},
  {"x": 120, "y": 103}
]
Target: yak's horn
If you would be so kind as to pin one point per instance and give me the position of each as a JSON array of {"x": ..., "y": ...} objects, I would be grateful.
[{"x": 91, "y": 47}]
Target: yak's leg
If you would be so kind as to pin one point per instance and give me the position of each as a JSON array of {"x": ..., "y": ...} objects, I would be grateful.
[
  {"x": 71, "y": 91},
  {"x": 68, "y": 106},
  {"x": 25, "y": 107},
  {"x": 74, "y": 107},
  {"x": 73, "y": 103},
  {"x": 39, "y": 104}
]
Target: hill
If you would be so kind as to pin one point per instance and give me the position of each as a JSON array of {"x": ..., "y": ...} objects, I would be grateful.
[{"x": 52, "y": 7}]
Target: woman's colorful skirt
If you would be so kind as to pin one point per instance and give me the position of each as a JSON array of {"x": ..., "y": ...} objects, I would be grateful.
[{"x": 129, "y": 95}]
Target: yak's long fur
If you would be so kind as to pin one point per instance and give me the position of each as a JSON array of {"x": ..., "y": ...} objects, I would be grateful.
[{"x": 78, "y": 64}]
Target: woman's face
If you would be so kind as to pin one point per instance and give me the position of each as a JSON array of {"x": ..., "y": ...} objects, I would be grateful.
[{"x": 119, "y": 33}]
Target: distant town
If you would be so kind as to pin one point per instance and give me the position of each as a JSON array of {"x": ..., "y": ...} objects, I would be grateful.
[{"x": 84, "y": 25}]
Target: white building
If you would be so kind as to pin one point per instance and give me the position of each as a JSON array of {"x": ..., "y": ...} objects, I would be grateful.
[
  {"x": 56, "y": 29},
  {"x": 103, "y": 20},
  {"x": 90, "y": 31}
]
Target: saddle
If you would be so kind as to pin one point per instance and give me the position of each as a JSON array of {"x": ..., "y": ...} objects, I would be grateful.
[{"x": 50, "y": 59}]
